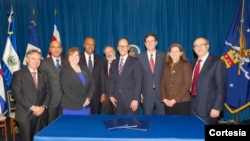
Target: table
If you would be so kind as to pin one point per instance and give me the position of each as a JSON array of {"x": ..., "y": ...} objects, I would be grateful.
[{"x": 92, "y": 128}]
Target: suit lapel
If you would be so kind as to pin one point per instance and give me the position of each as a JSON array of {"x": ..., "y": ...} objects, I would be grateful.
[
  {"x": 28, "y": 77},
  {"x": 126, "y": 64},
  {"x": 205, "y": 66},
  {"x": 95, "y": 63},
  {"x": 146, "y": 62},
  {"x": 156, "y": 61},
  {"x": 51, "y": 62},
  {"x": 40, "y": 79},
  {"x": 84, "y": 61}
]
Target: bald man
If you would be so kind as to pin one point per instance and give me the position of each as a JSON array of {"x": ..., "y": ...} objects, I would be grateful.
[
  {"x": 126, "y": 81},
  {"x": 50, "y": 67},
  {"x": 207, "y": 100}
]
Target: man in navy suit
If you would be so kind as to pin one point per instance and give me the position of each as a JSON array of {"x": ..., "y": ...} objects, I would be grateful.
[
  {"x": 96, "y": 66},
  {"x": 32, "y": 94},
  {"x": 209, "y": 91},
  {"x": 151, "y": 98},
  {"x": 126, "y": 81},
  {"x": 49, "y": 66}
]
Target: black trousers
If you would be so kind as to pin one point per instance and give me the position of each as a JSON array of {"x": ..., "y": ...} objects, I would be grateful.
[
  {"x": 182, "y": 108},
  {"x": 95, "y": 107},
  {"x": 107, "y": 107}
]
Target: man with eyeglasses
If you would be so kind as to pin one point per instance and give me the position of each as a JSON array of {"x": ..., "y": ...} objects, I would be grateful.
[
  {"x": 126, "y": 81},
  {"x": 208, "y": 90}
]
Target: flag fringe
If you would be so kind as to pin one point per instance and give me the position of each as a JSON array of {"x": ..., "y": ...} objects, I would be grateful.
[{"x": 235, "y": 111}]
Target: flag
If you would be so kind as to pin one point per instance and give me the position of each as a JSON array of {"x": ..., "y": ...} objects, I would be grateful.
[
  {"x": 55, "y": 36},
  {"x": 11, "y": 61},
  {"x": 236, "y": 55},
  {"x": 3, "y": 106},
  {"x": 34, "y": 42}
]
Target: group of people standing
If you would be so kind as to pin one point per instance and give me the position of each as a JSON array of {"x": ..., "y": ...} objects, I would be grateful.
[{"x": 84, "y": 83}]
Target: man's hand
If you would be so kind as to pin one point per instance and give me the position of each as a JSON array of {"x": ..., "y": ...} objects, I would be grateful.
[
  {"x": 113, "y": 100},
  {"x": 134, "y": 105}
]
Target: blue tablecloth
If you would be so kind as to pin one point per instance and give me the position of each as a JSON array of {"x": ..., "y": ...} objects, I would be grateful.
[{"x": 92, "y": 128}]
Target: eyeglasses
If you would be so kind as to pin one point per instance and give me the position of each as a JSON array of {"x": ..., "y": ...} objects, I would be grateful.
[
  {"x": 122, "y": 46},
  {"x": 201, "y": 45},
  {"x": 55, "y": 47}
]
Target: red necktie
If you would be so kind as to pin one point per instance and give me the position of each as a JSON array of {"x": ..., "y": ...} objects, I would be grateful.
[
  {"x": 34, "y": 78},
  {"x": 195, "y": 77},
  {"x": 152, "y": 66}
]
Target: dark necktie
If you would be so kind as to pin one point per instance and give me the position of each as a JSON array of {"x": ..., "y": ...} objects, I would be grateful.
[
  {"x": 90, "y": 64},
  {"x": 121, "y": 66},
  {"x": 109, "y": 70},
  {"x": 34, "y": 78},
  {"x": 195, "y": 77},
  {"x": 57, "y": 64}
]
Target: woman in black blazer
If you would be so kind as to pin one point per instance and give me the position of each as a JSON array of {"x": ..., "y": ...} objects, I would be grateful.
[{"x": 77, "y": 85}]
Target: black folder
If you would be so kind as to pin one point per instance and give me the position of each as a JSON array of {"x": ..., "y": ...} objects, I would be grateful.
[{"x": 131, "y": 123}]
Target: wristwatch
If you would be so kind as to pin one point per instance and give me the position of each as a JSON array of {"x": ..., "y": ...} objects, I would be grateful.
[{"x": 45, "y": 107}]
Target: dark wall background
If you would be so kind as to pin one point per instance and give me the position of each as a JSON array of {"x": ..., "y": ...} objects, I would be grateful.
[{"x": 108, "y": 20}]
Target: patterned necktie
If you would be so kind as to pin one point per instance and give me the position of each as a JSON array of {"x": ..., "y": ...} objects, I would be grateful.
[
  {"x": 152, "y": 64},
  {"x": 34, "y": 78},
  {"x": 195, "y": 77},
  {"x": 90, "y": 64},
  {"x": 121, "y": 66},
  {"x": 57, "y": 64}
]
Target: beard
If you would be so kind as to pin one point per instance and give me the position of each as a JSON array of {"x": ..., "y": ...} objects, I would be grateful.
[{"x": 110, "y": 59}]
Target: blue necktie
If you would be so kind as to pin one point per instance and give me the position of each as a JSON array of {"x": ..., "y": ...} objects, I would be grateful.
[
  {"x": 90, "y": 64},
  {"x": 57, "y": 65}
]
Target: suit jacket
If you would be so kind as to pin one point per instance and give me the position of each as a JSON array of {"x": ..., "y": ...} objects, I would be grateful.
[
  {"x": 74, "y": 92},
  {"x": 149, "y": 77},
  {"x": 26, "y": 93},
  {"x": 127, "y": 86},
  {"x": 48, "y": 66},
  {"x": 107, "y": 77},
  {"x": 98, "y": 75},
  {"x": 107, "y": 106},
  {"x": 211, "y": 86}
]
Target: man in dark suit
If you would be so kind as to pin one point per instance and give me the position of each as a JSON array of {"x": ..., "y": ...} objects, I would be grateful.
[
  {"x": 96, "y": 65},
  {"x": 52, "y": 67},
  {"x": 32, "y": 93},
  {"x": 151, "y": 98},
  {"x": 126, "y": 81},
  {"x": 109, "y": 52},
  {"x": 209, "y": 90}
]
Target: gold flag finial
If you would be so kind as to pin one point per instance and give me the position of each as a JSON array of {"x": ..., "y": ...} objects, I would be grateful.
[
  {"x": 33, "y": 21},
  {"x": 10, "y": 20},
  {"x": 55, "y": 12}
]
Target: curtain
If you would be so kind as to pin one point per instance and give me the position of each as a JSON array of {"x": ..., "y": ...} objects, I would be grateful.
[{"x": 171, "y": 20}]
